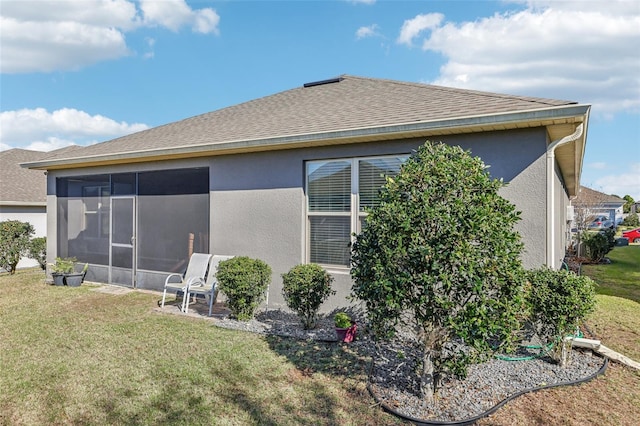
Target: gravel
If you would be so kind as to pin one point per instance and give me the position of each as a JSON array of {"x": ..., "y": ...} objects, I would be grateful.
[{"x": 394, "y": 383}]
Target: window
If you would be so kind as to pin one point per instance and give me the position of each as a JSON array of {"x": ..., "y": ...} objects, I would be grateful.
[{"x": 338, "y": 191}]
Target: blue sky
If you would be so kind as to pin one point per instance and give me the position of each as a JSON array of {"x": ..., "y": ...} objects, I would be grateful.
[{"x": 86, "y": 71}]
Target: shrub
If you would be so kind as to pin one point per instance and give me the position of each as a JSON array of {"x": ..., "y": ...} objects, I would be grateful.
[
  {"x": 63, "y": 265},
  {"x": 631, "y": 220},
  {"x": 38, "y": 251},
  {"x": 305, "y": 288},
  {"x": 559, "y": 301},
  {"x": 342, "y": 320},
  {"x": 244, "y": 281},
  {"x": 14, "y": 243},
  {"x": 599, "y": 243},
  {"x": 439, "y": 254}
]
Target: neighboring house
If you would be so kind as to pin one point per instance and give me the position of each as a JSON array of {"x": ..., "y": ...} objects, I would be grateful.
[
  {"x": 23, "y": 194},
  {"x": 285, "y": 178},
  {"x": 590, "y": 203}
]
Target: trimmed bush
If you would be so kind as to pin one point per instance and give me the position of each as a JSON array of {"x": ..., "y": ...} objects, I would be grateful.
[
  {"x": 599, "y": 243},
  {"x": 245, "y": 282},
  {"x": 305, "y": 288},
  {"x": 440, "y": 255},
  {"x": 559, "y": 301},
  {"x": 631, "y": 220},
  {"x": 14, "y": 243},
  {"x": 38, "y": 251}
]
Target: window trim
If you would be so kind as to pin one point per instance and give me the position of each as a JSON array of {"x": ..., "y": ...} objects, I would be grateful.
[{"x": 355, "y": 214}]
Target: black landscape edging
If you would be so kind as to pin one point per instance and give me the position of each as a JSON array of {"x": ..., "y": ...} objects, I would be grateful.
[{"x": 490, "y": 411}]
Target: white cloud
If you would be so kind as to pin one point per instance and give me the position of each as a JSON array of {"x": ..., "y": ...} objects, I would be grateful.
[
  {"x": 174, "y": 14},
  {"x": 362, "y": 1},
  {"x": 626, "y": 183},
  {"x": 49, "y": 144},
  {"x": 43, "y": 130},
  {"x": 550, "y": 49},
  {"x": 411, "y": 28},
  {"x": 206, "y": 21},
  {"x": 597, "y": 165},
  {"x": 370, "y": 31},
  {"x": 68, "y": 35}
]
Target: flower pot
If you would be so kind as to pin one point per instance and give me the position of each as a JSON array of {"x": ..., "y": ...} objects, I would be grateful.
[
  {"x": 346, "y": 334},
  {"x": 73, "y": 280},
  {"x": 58, "y": 279}
]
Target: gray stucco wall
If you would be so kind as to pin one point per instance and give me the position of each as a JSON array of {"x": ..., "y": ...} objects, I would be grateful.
[
  {"x": 258, "y": 206},
  {"x": 561, "y": 202},
  {"x": 258, "y": 201}
]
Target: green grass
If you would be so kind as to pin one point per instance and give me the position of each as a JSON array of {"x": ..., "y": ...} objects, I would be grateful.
[
  {"x": 620, "y": 278},
  {"x": 617, "y": 317},
  {"x": 76, "y": 356}
]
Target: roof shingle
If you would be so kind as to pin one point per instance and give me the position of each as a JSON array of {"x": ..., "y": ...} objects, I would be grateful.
[
  {"x": 18, "y": 185},
  {"x": 351, "y": 103}
]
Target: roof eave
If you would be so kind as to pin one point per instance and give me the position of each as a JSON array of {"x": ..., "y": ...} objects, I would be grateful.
[
  {"x": 23, "y": 203},
  {"x": 469, "y": 124}
]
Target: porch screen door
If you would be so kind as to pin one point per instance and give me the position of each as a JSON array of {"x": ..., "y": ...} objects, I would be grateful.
[{"x": 123, "y": 230}]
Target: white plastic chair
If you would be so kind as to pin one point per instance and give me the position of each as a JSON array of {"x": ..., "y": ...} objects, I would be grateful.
[
  {"x": 196, "y": 274},
  {"x": 209, "y": 288}
]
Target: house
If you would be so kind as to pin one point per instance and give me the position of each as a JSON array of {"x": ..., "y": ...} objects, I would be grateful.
[
  {"x": 590, "y": 203},
  {"x": 22, "y": 193},
  {"x": 284, "y": 178}
]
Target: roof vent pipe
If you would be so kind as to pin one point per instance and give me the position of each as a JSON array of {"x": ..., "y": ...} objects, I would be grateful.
[{"x": 551, "y": 231}]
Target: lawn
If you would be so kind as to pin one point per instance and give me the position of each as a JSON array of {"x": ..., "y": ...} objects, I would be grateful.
[
  {"x": 621, "y": 277},
  {"x": 77, "y": 356}
]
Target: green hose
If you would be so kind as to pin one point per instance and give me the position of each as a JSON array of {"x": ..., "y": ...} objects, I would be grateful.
[{"x": 546, "y": 348}]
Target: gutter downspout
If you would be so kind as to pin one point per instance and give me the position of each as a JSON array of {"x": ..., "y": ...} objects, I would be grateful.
[{"x": 551, "y": 156}]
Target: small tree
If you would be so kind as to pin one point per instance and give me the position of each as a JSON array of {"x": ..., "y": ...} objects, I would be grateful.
[
  {"x": 38, "y": 251},
  {"x": 629, "y": 201},
  {"x": 631, "y": 220},
  {"x": 588, "y": 204},
  {"x": 599, "y": 243},
  {"x": 305, "y": 288},
  {"x": 14, "y": 243},
  {"x": 245, "y": 282},
  {"x": 559, "y": 301},
  {"x": 440, "y": 254}
]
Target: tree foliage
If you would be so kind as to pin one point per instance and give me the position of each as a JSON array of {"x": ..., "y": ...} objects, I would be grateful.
[
  {"x": 631, "y": 220},
  {"x": 559, "y": 301},
  {"x": 305, "y": 288},
  {"x": 629, "y": 201},
  {"x": 440, "y": 254},
  {"x": 38, "y": 251},
  {"x": 599, "y": 243},
  {"x": 14, "y": 243},
  {"x": 245, "y": 282}
]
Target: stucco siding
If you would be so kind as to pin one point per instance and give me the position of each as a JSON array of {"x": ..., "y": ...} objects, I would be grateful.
[
  {"x": 258, "y": 204},
  {"x": 561, "y": 200}
]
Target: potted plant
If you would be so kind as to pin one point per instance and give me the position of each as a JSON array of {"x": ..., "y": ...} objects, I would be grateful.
[
  {"x": 61, "y": 268},
  {"x": 74, "y": 279},
  {"x": 345, "y": 327}
]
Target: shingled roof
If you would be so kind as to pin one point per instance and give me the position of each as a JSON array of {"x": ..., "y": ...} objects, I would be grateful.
[
  {"x": 588, "y": 196},
  {"x": 19, "y": 186},
  {"x": 346, "y": 109}
]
